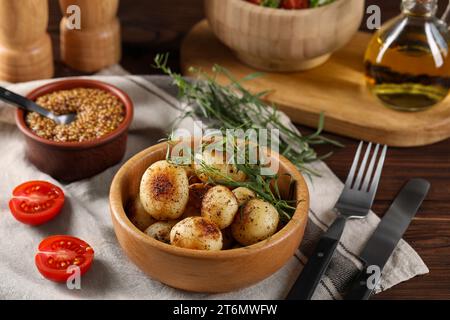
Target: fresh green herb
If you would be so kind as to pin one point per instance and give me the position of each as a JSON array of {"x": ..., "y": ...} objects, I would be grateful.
[
  {"x": 233, "y": 107},
  {"x": 271, "y": 3},
  {"x": 319, "y": 3},
  {"x": 266, "y": 187}
]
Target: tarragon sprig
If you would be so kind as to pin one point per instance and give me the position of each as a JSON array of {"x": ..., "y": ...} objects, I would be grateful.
[{"x": 231, "y": 106}]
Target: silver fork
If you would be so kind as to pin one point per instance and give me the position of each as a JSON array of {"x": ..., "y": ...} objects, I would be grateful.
[{"x": 354, "y": 203}]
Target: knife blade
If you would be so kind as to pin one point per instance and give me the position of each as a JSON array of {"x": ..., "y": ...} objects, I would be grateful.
[{"x": 384, "y": 240}]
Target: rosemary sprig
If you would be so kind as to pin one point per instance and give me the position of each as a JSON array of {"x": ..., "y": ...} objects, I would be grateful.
[
  {"x": 265, "y": 187},
  {"x": 233, "y": 107}
]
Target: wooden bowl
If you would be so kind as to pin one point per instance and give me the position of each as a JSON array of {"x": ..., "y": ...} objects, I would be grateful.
[
  {"x": 72, "y": 161},
  {"x": 284, "y": 40},
  {"x": 195, "y": 270}
]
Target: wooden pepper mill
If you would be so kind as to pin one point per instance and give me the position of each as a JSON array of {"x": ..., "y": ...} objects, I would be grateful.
[
  {"x": 96, "y": 44},
  {"x": 25, "y": 46}
]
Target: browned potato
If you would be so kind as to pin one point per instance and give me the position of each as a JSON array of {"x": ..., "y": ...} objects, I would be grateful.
[
  {"x": 164, "y": 191},
  {"x": 196, "y": 233},
  {"x": 138, "y": 216},
  {"x": 243, "y": 195},
  {"x": 161, "y": 230},
  {"x": 220, "y": 206},
  {"x": 217, "y": 160},
  {"x": 256, "y": 222}
]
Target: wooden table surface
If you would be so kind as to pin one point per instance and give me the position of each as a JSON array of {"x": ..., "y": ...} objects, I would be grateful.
[{"x": 150, "y": 27}]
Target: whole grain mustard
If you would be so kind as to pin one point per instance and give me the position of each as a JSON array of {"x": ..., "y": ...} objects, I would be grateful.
[{"x": 98, "y": 114}]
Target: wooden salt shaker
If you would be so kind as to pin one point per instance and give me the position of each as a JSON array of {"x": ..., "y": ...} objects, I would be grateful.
[
  {"x": 96, "y": 44},
  {"x": 25, "y": 46}
]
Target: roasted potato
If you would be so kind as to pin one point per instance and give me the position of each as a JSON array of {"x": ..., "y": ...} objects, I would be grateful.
[
  {"x": 164, "y": 191},
  {"x": 220, "y": 206},
  {"x": 243, "y": 195},
  {"x": 196, "y": 233},
  {"x": 218, "y": 161},
  {"x": 257, "y": 221},
  {"x": 138, "y": 215},
  {"x": 161, "y": 230}
]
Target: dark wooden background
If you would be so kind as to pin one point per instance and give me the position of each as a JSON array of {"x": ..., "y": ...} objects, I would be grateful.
[{"x": 150, "y": 27}]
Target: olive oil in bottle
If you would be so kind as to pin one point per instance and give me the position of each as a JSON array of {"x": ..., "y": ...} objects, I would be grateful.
[{"x": 408, "y": 60}]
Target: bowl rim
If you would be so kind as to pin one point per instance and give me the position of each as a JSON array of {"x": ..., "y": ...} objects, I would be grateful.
[
  {"x": 286, "y": 12},
  {"x": 73, "y": 83},
  {"x": 118, "y": 213}
]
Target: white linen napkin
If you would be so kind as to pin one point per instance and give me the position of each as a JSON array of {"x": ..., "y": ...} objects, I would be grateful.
[{"x": 113, "y": 276}]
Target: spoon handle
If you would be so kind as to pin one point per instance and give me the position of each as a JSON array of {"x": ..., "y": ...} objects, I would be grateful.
[{"x": 24, "y": 103}]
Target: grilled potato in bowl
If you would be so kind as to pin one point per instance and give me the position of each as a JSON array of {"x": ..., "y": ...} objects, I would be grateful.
[
  {"x": 220, "y": 206},
  {"x": 196, "y": 233},
  {"x": 217, "y": 161},
  {"x": 164, "y": 191},
  {"x": 257, "y": 221},
  {"x": 161, "y": 230},
  {"x": 243, "y": 195}
]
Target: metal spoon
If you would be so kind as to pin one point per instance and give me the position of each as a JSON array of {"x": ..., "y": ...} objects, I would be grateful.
[{"x": 28, "y": 105}]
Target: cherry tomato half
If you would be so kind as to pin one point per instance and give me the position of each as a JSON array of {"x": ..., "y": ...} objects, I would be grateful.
[
  {"x": 57, "y": 253},
  {"x": 36, "y": 202}
]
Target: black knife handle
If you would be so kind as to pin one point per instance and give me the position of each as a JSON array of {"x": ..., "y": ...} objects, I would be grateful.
[
  {"x": 22, "y": 102},
  {"x": 313, "y": 271},
  {"x": 360, "y": 289},
  {"x": 11, "y": 97}
]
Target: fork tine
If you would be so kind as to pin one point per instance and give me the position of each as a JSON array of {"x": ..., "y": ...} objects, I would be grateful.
[
  {"x": 351, "y": 174},
  {"x": 362, "y": 168},
  {"x": 376, "y": 177},
  {"x": 370, "y": 169}
]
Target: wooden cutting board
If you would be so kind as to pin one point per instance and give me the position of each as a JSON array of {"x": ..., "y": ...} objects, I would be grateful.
[{"x": 336, "y": 88}]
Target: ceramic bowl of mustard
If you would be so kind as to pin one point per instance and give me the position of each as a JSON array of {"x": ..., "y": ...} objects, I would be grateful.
[
  {"x": 199, "y": 270},
  {"x": 73, "y": 160},
  {"x": 283, "y": 40}
]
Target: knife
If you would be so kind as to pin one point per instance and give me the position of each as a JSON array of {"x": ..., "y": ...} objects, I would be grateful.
[{"x": 384, "y": 240}]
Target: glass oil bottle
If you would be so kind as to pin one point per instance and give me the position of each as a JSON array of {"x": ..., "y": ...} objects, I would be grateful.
[{"x": 408, "y": 60}]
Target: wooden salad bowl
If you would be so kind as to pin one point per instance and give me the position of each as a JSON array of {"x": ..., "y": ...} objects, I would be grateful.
[
  {"x": 284, "y": 40},
  {"x": 204, "y": 271}
]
